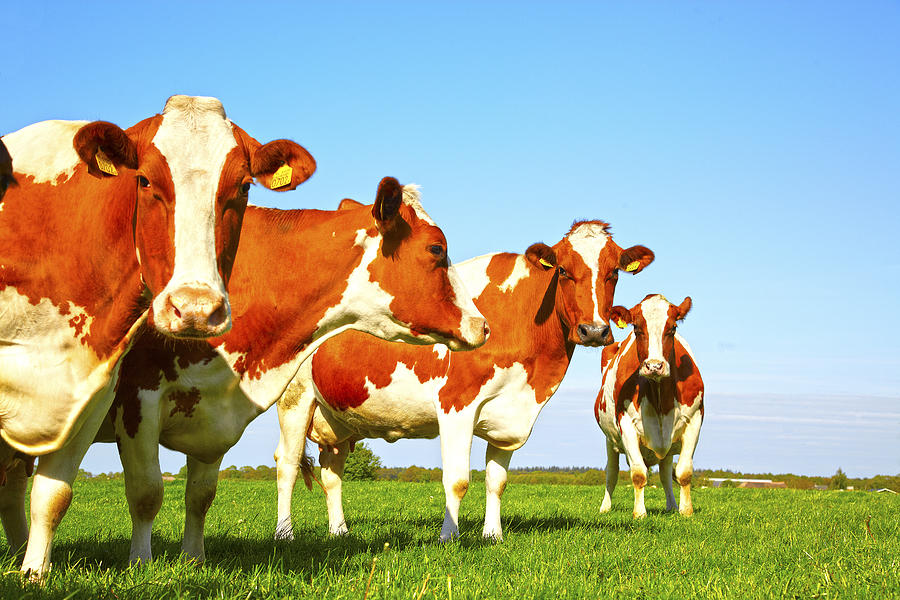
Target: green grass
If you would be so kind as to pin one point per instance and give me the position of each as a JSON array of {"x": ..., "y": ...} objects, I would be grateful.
[{"x": 740, "y": 543}]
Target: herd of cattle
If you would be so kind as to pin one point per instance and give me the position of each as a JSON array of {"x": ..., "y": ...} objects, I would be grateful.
[{"x": 129, "y": 313}]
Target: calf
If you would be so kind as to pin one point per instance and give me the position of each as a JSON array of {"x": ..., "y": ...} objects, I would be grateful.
[
  {"x": 301, "y": 277},
  {"x": 650, "y": 405},
  {"x": 541, "y": 305},
  {"x": 107, "y": 229}
]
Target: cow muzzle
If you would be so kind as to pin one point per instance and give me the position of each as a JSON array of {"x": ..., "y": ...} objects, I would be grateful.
[
  {"x": 196, "y": 311},
  {"x": 474, "y": 332},
  {"x": 654, "y": 369},
  {"x": 590, "y": 334}
]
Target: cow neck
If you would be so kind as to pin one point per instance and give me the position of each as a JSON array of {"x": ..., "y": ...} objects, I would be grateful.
[
  {"x": 72, "y": 244},
  {"x": 291, "y": 267}
]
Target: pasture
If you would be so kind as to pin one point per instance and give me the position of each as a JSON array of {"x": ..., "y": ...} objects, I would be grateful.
[{"x": 740, "y": 543}]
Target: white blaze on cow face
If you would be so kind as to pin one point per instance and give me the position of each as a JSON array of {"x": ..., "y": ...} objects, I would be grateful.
[
  {"x": 45, "y": 151},
  {"x": 195, "y": 138},
  {"x": 588, "y": 240}
]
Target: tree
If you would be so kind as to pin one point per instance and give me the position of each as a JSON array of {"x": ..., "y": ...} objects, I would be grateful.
[
  {"x": 361, "y": 464},
  {"x": 838, "y": 481}
]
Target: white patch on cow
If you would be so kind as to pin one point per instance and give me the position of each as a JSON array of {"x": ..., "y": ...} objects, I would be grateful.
[
  {"x": 413, "y": 198},
  {"x": 473, "y": 273},
  {"x": 656, "y": 312},
  {"x": 44, "y": 150},
  {"x": 588, "y": 240},
  {"x": 360, "y": 238},
  {"x": 519, "y": 272},
  {"x": 509, "y": 407},
  {"x": 195, "y": 137},
  {"x": 440, "y": 350}
]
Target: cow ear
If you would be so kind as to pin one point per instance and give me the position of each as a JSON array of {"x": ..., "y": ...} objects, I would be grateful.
[
  {"x": 388, "y": 199},
  {"x": 349, "y": 204},
  {"x": 620, "y": 315},
  {"x": 541, "y": 256},
  {"x": 634, "y": 259},
  {"x": 7, "y": 180},
  {"x": 684, "y": 308},
  {"x": 108, "y": 142},
  {"x": 281, "y": 165}
]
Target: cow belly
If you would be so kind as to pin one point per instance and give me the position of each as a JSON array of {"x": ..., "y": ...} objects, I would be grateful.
[
  {"x": 506, "y": 420},
  {"x": 384, "y": 416}
]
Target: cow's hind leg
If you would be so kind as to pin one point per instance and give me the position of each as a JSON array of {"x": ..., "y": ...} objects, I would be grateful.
[
  {"x": 143, "y": 486},
  {"x": 12, "y": 507},
  {"x": 295, "y": 411},
  {"x": 612, "y": 476},
  {"x": 665, "y": 476},
  {"x": 496, "y": 465},
  {"x": 199, "y": 493},
  {"x": 332, "y": 460}
]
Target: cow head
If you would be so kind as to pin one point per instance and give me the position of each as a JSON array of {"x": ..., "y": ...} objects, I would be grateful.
[
  {"x": 653, "y": 322},
  {"x": 6, "y": 170},
  {"x": 585, "y": 266},
  {"x": 420, "y": 299},
  {"x": 193, "y": 169}
]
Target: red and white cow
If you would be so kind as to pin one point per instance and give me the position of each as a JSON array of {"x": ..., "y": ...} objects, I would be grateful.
[
  {"x": 104, "y": 224},
  {"x": 651, "y": 403},
  {"x": 7, "y": 179},
  {"x": 540, "y": 304},
  {"x": 301, "y": 277}
]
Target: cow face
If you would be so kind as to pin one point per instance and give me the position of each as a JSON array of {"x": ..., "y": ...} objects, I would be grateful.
[
  {"x": 425, "y": 301},
  {"x": 6, "y": 170},
  {"x": 587, "y": 267},
  {"x": 654, "y": 321},
  {"x": 193, "y": 170}
]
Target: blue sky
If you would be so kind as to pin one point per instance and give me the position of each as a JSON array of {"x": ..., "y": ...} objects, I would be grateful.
[{"x": 753, "y": 146}]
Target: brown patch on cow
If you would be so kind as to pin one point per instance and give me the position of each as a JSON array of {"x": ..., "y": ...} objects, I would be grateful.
[
  {"x": 184, "y": 401},
  {"x": 685, "y": 478},
  {"x": 638, "y": 479},
  {"x": 57, "y": 505},
  {"x": 460, "y": 488}
]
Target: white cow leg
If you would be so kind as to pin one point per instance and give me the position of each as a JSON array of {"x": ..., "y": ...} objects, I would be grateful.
[
  {"x": 51, "y": 492},
  {"x": 612, "y": 476},
  {"x": 665, "y": 476},
  {"x": 496, "y": 465},
  {"x": 456, "y": 447},
  {"x": 684, "y": 471},
  {"x": 199, "y": 493},
  {"x": 143, "y": 486},
  {"x": 332, "y": 460},
  {"x": 636, "y": 462},
  {"x": 12, "y": 507}
]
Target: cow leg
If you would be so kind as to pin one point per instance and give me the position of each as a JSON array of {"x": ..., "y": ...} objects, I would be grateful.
[
  {"x": 636, "y": 462},
  {"x": 293, "y": 419},
  {"x": 665, "y": 476},
  {"x": 332, "y": 459},
  {"x": 456, "y": 447},
  {"x": 496, "y": 464},
  {"x": 684, "y": 471},
  {"x": 51, "y": 492},
  {"x": 12, "y": 507},
  {"x": 143, "y": 484},
  {"x": 612, "y": 476},
  {"x": 199, "y": 493}
]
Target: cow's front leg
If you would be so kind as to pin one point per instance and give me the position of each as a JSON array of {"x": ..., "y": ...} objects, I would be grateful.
[
  {"x": 665, "y": 476},
  {"x": 293, "y": 420},
  {"x": 332, "y": 460},
  {"x": 143, "y": 483},
  {"x": 612, "y": 476},
  {"x": 12, "y": 507},
  {"x": 456, "y": 430},
  {"x": 51, "y": 492},
  {"x": 638, "y": 469},
  {"x": 199, "y": 493},
  {"x": 684, "y": 470},
  {"x": 496, "y": 466}
]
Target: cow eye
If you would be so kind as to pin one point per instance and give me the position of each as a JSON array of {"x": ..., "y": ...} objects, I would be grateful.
[
  {"x": 563, "y": 272},
  {"x": 143, "y": 181},
  {"x": 245, "y": 189},
  {"x": 437, "y": 250}
]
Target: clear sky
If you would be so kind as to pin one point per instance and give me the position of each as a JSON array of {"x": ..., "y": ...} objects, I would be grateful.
[{"x": 754, "y": 146}]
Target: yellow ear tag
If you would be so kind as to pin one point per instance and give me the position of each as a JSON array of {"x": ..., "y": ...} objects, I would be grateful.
[
  {"x": 620, "y": 324},
  {"x": 104, "y": 164},
  {"x": 633, "y": 266},
  {"x": 282, "y": 177},
  {"x": 545, "y": 263}
]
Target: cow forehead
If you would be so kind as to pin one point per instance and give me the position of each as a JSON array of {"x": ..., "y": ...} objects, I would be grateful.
[
  {"x": 588, "y": 240},
  {"x": 655, "y": 309},
  {"x": 45, "y": 151}
]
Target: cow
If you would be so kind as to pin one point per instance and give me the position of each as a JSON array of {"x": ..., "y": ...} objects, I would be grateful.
[
  {"x": 301, "y": 277},
  {"x": 7, "y": 179},
  {"x": 109, "y": 229},
  {"x": 541, "y": 305},
  {"x": 650, "y": 405}
]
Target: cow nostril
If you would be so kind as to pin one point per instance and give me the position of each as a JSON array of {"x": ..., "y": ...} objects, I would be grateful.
[
  {"x": 218, "y": 316},
  {"x": 582, "y": 331},
  {"x": 605, "y": 331}
]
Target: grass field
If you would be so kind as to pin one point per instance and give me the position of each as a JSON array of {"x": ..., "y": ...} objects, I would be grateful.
[{"x": 740, "y": 543}]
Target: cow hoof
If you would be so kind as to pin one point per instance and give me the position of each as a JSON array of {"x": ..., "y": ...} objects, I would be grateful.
[
  {"x": 638, "y": 515},
  {"x": 493, "y": 536},
  {"x": 687, "y": 512}
]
